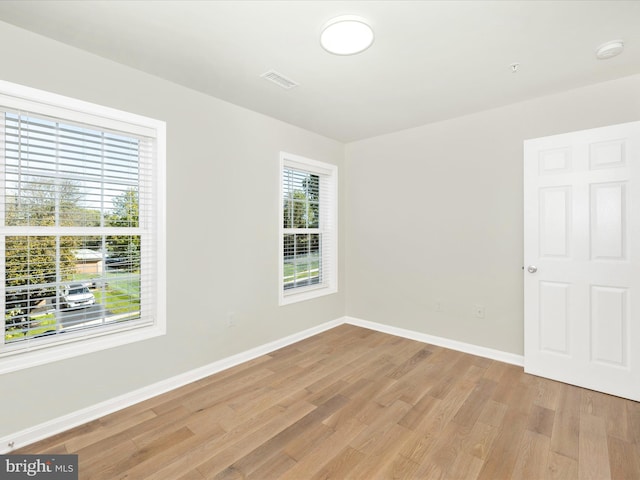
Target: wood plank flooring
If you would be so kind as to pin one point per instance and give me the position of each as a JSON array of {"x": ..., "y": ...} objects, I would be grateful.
[{"x": 352, "y": 403}]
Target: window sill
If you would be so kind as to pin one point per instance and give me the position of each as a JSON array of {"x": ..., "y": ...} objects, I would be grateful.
[
  {"x": 57, "y": 351},
  {"x": 305, "y": 293}
]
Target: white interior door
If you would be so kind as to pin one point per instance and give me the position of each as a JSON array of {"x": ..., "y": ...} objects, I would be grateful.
[{"x": 581, "y": 254}]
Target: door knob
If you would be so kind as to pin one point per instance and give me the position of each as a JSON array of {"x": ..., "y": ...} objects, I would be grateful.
[{"x": 532, "y": 269}]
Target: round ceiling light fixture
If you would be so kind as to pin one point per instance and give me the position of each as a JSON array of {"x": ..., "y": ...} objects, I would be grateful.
[
  {"x": 609, "y": 49},
  {"x": 346, "y": 35}
]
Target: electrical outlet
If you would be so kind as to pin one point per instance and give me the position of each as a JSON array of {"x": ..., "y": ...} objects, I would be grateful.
[
  {"x": 478, "y": 311},
  {"x": 231, "y": 320},
  {"x": 438, "y": 306}
]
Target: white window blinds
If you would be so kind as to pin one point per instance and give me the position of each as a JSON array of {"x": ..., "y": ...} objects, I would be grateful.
[
  {"x": 80, "y": 231},
  {"x": 308, "y": 254}
]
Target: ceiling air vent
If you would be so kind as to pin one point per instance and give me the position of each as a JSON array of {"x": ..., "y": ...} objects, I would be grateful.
[{"x": 279, "y": 79}]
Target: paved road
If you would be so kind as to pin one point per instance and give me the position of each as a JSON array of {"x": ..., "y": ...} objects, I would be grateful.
[{"x": 71, "y": 318}]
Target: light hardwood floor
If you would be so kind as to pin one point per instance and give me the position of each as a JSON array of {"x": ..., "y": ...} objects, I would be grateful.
[{"x": 352, "y": 403}]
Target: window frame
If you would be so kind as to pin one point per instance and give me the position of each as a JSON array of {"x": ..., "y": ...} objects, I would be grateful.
[
  {"x": 327, "y": 228},
  {"x": 66, "y": 109}
]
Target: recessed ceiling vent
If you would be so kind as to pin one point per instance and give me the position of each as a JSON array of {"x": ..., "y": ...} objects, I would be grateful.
[{"x": 279, "y": 79}]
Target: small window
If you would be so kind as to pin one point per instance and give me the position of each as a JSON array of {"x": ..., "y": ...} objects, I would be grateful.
[
  {"x": 82, "y": 232},
  {"x": 308, "y": 228}
]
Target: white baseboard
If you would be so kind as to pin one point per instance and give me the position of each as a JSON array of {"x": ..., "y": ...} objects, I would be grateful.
[
  {"x": 499, "y": 355},
  {"x": 74, "y": 419}
]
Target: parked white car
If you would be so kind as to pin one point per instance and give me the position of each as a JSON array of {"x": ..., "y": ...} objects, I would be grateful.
[{"x": 77, "y": 295}]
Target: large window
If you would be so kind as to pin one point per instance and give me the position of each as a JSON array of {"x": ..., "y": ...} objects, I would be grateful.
[
  {"x": 82, "y": 233},
  {"x": 308, "y": 233}
]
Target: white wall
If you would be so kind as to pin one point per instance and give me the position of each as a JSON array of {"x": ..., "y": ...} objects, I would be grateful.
[
  {"x": 222, "y": 222},
  {"x": 435, "y": 215}
]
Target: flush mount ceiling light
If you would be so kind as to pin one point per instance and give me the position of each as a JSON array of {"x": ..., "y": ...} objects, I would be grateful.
[
  {"x": 609, "y": 49},
  {"x": 346, "y": 35}
]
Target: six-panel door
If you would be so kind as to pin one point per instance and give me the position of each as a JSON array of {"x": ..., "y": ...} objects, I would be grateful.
[{"x": 582, "y": 235}]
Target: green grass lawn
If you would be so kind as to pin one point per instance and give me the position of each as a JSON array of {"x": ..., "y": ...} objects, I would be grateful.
[
  {"x": 128, "y": 283},
  {"x": 121, "y": 291},
  {"x": 117, "y": 301},
  {"x": 300, "y": 271},
  {"x": 39, "y": 325}
]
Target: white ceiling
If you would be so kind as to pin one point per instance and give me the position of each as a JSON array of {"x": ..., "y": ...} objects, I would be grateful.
[{"x": 431, "y": 60}]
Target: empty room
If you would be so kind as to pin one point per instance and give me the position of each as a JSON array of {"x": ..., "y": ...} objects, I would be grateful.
[{"x": 320, "y": 240}]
